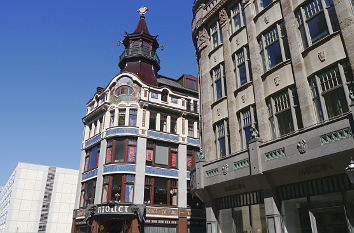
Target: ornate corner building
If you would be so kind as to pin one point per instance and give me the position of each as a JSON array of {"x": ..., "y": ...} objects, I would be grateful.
[
  {"x": 276, "y": 90},
  {"x": 140, "y": 143}
]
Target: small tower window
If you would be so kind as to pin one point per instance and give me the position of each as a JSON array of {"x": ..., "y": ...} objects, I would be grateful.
[
  {"x": 124, "y": 90},
  {"x": 164, "y": 95}
]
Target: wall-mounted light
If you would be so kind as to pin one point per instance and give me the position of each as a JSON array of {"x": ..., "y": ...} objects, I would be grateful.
[{"x": 350, "y": 171}]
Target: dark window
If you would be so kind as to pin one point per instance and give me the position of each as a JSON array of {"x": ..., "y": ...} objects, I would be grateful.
[
  {"x": 195, "y": 106},
  {"x": 191, "y": 84},
  {"x": 118, "y": 188},
  {"x": 188, "y": 105},
  {"x": 218, "y": 89},
  {"x": 152, "y": 123},
  {"x": 191, "y": 155},
  {"x": 164, "y": 95},
  {"x": 160, "y": 191},
  {"x": 87, "y": 193},
  {"x": 173, "y": 125},
  {"x": 91, "y": 159}
]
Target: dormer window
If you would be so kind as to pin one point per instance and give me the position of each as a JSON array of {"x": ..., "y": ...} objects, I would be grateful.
[{"x": 164, "y": 95}]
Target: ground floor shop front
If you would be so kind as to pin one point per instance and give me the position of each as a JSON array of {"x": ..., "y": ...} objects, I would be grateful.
[
  {"x": 322, "y": 205},
  {"x": 152, "y": 220}
]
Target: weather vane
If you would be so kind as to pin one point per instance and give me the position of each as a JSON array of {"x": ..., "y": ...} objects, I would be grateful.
[{"x": 142, "y": 11}]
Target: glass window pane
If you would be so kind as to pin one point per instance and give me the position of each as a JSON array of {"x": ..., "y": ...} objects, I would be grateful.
[
  {"x": 129, "y": 191},
  {"x": 160, "y": 191},
  {"x": 218, "y": 89},
  {"x": 237, "y": 22},
  {"x": 248, "y": 134},
  {"x": 116, "y": 189},
  {"x": 274, "y": 54},
  {"x": 285, "y": 122},
  {"x": 132, "y": 117},
  {"x": 149, "y": 154},
  {"x": 297, "y": 219},
  {"x": 336, "y": 102},
  {"x": 258, "y": 218},
  {"x": 119, "y": 150},
  {"x": 161, "y": 154},
  {"x": 93, "y": 157},
  {"x": 109, "y": 155},
  {"x": 147, "y": 194},
  {"x": 222, "y": 146},
  {"x": 131, "y": 153},
  {"x": 317, "y": 27},
  {"x": 265, "y": 3},
  {"x": 243, "y": 75}
]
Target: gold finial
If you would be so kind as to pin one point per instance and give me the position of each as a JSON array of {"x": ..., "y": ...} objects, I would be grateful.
[{"x": 142, "y": 11}]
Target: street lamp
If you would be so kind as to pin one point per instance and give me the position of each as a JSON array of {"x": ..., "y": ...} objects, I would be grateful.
[{"x": 350, "y": 171}]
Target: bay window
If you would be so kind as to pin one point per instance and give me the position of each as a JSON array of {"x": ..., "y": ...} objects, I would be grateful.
[
  {"x": 274, "y": 46},
  {"x": 222, "y": 138},
  {"x": 119, "y": 188},
  {"x": 161, "y": 154},
  {"x": 328, "y": 91},
  {"x": 284, "y": 112},
  {"x": 316, "y": 19},
  {"x": 216, "y": 34},
  {"x": 160, "y": 191},
  {"x": 87, "y": 193},
  {"x": 132, "y": 117},
  {"x": 121, "y": 150},
  {"x": 237, "y": 17},
  {"x": 242, "y": 67},
  {"x": 218, "y": 77},
  {"x": 246, "y": 118},
  {"x": 91, "y": 158}
]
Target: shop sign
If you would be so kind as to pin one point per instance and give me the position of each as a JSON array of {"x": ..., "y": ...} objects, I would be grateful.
[
  {"x": 161, "y": 221},
  {"x": 314, "y": 169},
  {"x": 117, "y": 209},
  {"x": 162, "y": 211}
]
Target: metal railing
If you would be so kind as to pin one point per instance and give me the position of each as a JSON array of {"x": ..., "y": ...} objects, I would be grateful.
[{"x": 139, "y": 51}]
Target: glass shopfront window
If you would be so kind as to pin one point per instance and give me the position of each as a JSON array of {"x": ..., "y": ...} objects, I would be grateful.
[
  {"x": 242, "y": 219},
  {"x": 320, "y": 213}
]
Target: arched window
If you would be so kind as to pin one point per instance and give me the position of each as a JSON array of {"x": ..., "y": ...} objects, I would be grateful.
[{"x": 164, "y": 95}]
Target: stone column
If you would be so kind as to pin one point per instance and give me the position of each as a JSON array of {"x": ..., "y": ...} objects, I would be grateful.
[
  {"x": 297, "y": 61},
  {"x": 206, "y": 95},
  {"x": 99, "y": 181},
  {"x": 140, "y": 171},
  {"x": 255, "y": 157},
  {"x": 230, "y": 81},
  {"x": 345, "y": 14},
  {"x": 182, "y": 176},
  {"x": 257, "y": 71}
]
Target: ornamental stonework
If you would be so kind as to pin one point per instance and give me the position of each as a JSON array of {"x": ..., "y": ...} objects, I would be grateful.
[
  {"x": 203, "y": 38},
  {"x": 223, "y": 16}
]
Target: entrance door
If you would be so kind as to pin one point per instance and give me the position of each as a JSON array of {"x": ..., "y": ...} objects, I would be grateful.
[{"x": 330, "y": 220}]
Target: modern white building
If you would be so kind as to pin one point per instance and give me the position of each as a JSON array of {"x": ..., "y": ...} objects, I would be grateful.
[{"x": 38, "y": 198}]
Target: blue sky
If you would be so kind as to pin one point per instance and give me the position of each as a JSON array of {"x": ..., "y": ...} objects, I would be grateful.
[{"x": 53, "y": 55}]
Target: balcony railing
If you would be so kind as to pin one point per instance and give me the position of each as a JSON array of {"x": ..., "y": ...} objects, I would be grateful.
[{"x": 139, "y": 51}]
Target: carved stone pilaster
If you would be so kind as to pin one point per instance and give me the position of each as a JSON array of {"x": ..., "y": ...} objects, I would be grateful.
[
  {"x": 203, "y": 38},
  {"x": 223, "y": 17}
]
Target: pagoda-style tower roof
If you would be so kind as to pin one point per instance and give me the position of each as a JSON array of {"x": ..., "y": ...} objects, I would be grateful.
[{"x": 140, "y": 56}]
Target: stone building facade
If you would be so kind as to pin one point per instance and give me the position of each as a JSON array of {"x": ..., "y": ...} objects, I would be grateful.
[
  {"x": 276, "y": 90},
  {"x": 140, "y": 141}
]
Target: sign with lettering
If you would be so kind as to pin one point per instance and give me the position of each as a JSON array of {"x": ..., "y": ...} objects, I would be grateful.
[
  {"x": 114, "y": 210},
  {"x": 161, "y": 221}
]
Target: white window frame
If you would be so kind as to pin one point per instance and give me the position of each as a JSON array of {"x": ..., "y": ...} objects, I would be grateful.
[{"x": 236, "y": 10}]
